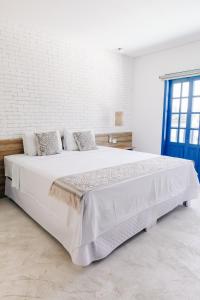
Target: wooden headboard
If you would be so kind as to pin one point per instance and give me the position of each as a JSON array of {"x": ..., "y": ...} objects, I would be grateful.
[
  {"x": 123, "y": 139},
  {"x": 15, "y": 146},
  {"x": 8, "y": 147}
]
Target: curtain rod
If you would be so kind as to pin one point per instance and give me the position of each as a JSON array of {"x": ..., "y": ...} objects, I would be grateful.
[{"x": 182, "y": 74}]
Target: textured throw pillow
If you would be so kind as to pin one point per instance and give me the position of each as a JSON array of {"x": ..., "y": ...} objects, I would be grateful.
[
  {"x": 48, "y": 143},
  {"x": 69, "y": 142},
  {"x": 85, "y": 140}
]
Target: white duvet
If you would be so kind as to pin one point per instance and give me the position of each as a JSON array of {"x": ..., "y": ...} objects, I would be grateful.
[
  {"x": 67, "y": 163},
  {"x": 103, "y": 209}
]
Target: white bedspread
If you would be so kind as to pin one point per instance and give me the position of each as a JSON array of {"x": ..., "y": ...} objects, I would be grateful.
[{"x": 102, "y": 209}]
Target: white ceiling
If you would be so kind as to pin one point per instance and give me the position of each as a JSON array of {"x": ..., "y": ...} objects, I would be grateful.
[{"x": 137, "y": 26}]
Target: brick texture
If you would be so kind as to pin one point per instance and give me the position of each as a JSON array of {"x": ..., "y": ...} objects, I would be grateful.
[{"x": 47, "y": 83}]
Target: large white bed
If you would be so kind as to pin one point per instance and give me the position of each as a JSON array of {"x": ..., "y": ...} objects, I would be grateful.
[{"x": 108, "y": 215}]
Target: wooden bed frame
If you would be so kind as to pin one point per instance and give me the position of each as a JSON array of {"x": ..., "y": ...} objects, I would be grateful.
[
  {"x": 8, "y": 147},
  {"x": 15, "y": 146}
]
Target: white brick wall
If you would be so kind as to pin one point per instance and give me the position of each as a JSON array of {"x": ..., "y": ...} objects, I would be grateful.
[{"x": 46, "y": 83}]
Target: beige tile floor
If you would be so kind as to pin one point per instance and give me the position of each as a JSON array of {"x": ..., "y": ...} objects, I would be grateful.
[{"x": 163, "y": 263}]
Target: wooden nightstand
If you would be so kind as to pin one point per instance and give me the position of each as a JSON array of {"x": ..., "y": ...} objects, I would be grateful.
[{"x": 121, "y": 140}]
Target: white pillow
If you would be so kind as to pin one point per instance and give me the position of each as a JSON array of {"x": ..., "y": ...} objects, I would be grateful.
[
  {"x": 69, "y": 141},
  {"x": 29, "y": 143}
]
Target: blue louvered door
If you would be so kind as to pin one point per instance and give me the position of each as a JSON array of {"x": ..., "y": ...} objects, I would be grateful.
[{"x": 181, "y": 130}]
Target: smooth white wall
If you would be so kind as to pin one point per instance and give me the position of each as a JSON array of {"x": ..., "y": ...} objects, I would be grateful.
[
  {"x": 49, "y": 83},
  {"x": 148, "y": 91}
]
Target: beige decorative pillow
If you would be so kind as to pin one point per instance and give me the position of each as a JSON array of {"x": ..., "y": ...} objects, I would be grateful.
[
  {"x": 85, "y": 140},
  {"x": 48, "y": 143}
]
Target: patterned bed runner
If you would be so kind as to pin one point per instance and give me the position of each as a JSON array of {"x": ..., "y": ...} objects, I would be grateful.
[{"x": 72, "y": 188}]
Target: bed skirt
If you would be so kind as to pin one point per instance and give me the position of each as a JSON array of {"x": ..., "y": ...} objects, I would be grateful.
[{"x": 104, "y": 244}]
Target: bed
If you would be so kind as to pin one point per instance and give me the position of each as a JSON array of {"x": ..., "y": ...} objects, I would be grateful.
[{"x": 109, "y": 215}]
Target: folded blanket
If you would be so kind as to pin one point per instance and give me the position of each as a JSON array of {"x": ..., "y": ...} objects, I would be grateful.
[{"x": 72, "y": 188}]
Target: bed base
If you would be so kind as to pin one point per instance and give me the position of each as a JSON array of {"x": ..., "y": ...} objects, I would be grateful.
[
  {"x": 150, "y": 226},
  {"x": 108, "y": 241}
]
